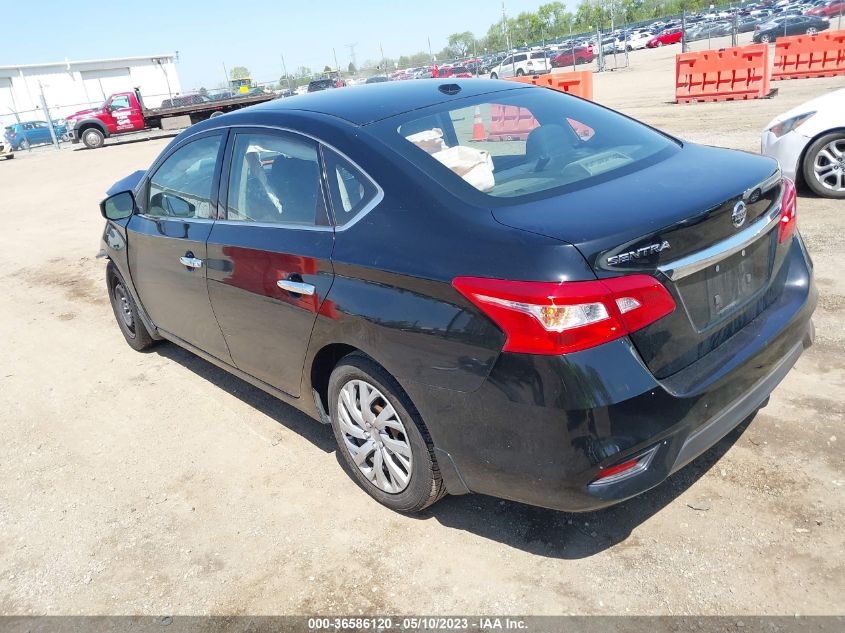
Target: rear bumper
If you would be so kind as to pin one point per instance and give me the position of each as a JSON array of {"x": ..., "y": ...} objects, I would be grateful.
[{"x": 540, "y": 428}]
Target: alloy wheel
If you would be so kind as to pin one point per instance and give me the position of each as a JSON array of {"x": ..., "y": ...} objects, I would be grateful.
[
  {"x": 374, "y": 436},
  {"x": 829, "y": 165},
  {"x": 812, "y": 31}
]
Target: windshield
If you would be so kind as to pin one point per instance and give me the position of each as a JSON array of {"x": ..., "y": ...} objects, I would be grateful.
[{"x": 526, "y": 142}]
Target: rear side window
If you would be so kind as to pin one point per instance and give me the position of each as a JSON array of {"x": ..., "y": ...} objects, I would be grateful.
[
  {"x": 351, "y": 191},
  {"x": 530, "y": 142},
  {"x": 275, "y": 178},
  {"x": 182, "y": 186},
  {"x": 520, "y": 58}
]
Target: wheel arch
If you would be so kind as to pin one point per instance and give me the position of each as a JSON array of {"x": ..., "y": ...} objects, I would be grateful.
[
  {"x": 88, "y": 124},
  {"x": 320, "y": 370}
]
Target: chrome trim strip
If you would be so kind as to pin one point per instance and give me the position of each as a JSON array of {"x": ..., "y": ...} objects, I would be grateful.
[
  {"x": 276, "y": 225},
  {"x": 369, "y": 207},
  {"x": 694, "y": 262}
]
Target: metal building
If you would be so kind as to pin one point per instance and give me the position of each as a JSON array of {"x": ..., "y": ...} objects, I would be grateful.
[{"x": 70, "y": 86}]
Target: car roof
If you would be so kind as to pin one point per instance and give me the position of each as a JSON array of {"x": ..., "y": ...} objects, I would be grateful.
[{"x": 376, "y": 101}]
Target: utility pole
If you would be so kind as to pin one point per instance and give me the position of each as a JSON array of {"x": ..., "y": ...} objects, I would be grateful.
[
  {"x": 381, "y": 50},
  {"x": 336, "y": 65},
  {"x": 285, "y": 70},
  {"x": 47, "y": 116},
  {"x": 226, "y": 76},
  {"x": 505, "y": 28},
  {"x": 430, "y": 54}
]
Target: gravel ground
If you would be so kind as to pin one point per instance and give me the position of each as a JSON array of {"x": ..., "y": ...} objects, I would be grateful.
[{"x": 157, "y": 483}]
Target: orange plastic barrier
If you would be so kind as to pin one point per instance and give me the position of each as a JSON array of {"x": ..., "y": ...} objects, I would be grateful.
[
  {"x": 579, "y": 83},
  {"x": 510, "y": 123},
  {"x": 803, "y": 56},
  {"x": 725, "y": 75}
]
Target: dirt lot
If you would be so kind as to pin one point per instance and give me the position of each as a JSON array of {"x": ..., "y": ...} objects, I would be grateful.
[{"x": 157, "y": 483}]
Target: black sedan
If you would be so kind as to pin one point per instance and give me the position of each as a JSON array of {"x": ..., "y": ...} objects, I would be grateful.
[
  {"x": 789, "y": 25},
  {"x": 482, "y": 286}
]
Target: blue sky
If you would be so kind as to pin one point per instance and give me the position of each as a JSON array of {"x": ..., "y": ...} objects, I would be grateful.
[{"x": 251, "y": 33}]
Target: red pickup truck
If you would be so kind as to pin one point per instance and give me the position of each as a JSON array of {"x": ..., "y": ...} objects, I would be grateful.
[{"x": 124, "y": 112}]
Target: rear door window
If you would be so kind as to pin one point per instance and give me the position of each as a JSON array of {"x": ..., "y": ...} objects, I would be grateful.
[{"x": 275, "y": 178}]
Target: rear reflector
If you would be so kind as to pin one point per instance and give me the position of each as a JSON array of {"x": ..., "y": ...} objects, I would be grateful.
[
  {"x": 788, "y": 211},
  {"x": 629, "y": 468},
  {"x": 565, "y": 317}
]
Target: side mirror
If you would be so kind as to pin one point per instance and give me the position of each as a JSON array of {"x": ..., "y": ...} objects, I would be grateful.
[{"x": 119, "y": 206}]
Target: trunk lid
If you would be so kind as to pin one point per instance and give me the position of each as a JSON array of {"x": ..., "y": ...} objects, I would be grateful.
[{"x": 704, "y": 222}]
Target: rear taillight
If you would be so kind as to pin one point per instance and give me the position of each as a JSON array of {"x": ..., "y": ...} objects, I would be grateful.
[
  {"x": 788, "y": 211},
  {"x": 569, "y": 316}
]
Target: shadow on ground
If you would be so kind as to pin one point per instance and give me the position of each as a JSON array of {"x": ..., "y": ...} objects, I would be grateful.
[
  {"x": 121, "y": 141},
  {"x": 536, "y": 530}
]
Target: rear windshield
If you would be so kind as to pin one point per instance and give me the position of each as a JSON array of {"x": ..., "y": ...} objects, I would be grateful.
[{"x": 532, "y": 143}]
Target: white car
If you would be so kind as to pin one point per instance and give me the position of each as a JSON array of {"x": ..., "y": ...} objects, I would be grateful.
[
  {"x": 636, "y": 41},
  {"x": 519, "y": 64},
  {"x": 809, "y": 143}
]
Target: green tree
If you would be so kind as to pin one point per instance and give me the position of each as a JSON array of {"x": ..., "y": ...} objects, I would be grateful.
[
  {"x": 203, "y": 91},
  {"x": 461, "y": 43},
  {"x": 351, "y": 68},
  {"x": 239, "y": 72}
]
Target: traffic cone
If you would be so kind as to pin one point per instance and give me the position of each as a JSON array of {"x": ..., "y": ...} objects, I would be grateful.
[{"x": 478, "y": 133}]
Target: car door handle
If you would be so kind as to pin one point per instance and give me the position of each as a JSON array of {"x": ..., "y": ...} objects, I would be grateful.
[
  {"x": 191, "y": 262},
  {"x": 296, "y": 287}
]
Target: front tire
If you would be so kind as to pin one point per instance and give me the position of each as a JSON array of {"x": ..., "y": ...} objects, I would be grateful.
[
  {"x": 126, "y": 312},
  {"x": 660, "y": 44},
  {"x": 812, "y": 31},
  {"x": 824, "y": 166},
  {"x": 93, "y": 138},
  {"x": 24, "y": 144},
  {"x": 519, "y": 72},
  {"x": 765, "y": 39},
  {"x": 381, "y": 438},
  {"x": 494, "y": 76}
]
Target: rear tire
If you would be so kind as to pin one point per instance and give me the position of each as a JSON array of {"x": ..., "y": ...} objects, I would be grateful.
[
  {"x": 93, "y": 138},
  {"x": 126, "y": 312},
  {"x": 817, "y": 161},
  {"x": 406, "y": 484},
  {"x": 659, "y": 44},
  {"x": 812, "y": 31},
  {"x": 24, "y": 144}
]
